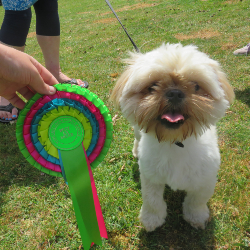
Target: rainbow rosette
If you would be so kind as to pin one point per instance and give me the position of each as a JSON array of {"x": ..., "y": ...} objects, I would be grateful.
[{"x": 68, "y": 134}]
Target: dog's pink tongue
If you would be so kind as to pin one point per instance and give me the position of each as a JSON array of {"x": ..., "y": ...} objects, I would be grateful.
[{"x": 172, "y": 117}]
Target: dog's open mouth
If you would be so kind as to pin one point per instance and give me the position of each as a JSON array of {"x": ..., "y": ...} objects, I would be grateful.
[{"x": 172, "y": 120}]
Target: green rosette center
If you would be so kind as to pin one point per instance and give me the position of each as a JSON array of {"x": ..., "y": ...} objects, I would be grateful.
[{"x": 66, "y": 133}]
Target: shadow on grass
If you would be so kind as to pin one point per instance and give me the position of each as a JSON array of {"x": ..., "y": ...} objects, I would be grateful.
[
  {"x": 243, "y": 95},
  {"x": 175, "y": 233},
  {"x": 14, "y": 169},
  {"x": 136, "y": 175}
]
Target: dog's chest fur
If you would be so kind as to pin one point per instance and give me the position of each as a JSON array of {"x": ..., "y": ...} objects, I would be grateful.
[{"x": 180, "y": 168}]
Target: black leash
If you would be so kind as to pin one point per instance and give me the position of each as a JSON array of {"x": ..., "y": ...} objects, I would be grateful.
[
  {"x": 179, "y": 144},
  {"x": 136, "y": 48}
]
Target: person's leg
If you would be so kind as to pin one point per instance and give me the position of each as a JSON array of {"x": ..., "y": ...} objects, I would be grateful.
[
  {"x": 50, "y": 48},
  {"x": 48, "y": 36},
  {"x": 14, "y": 30}
]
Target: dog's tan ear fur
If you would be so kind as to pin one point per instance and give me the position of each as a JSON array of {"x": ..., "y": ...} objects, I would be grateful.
[
  {"x": 227, "y": 88},
  {"x": 117, "y": 91}
]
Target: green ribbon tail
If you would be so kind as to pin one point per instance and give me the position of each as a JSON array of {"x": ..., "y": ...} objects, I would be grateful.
[{"x": 76, "y": 170}]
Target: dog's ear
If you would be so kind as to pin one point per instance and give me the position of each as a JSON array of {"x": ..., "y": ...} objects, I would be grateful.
[
  {"x": 117, "y": 91},
  {"x": 227, "y": 88}
]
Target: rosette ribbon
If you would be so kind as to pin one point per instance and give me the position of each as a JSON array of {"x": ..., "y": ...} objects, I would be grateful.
[{"x": 68, "y": 134}]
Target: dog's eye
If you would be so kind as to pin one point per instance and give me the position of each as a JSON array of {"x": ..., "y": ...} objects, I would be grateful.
[
  {"x": 151, "y": 88},
  {"x": 196, "y": 87}
]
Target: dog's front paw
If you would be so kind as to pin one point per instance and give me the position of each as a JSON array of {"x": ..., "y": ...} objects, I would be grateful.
[
  {"x": 135, "y": 148},
  {"x": 197, "y": 217},
  {"x": 152, "y": 219}
]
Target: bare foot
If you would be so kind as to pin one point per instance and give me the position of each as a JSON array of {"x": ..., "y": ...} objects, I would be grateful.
[{"x": 7, "y": 115}]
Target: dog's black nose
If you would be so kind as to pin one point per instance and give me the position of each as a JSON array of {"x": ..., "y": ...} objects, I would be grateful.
[{"x": 175, "y": 96}]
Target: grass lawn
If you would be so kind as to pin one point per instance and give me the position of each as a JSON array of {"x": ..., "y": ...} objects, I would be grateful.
[{"x": 36, "y": 209}]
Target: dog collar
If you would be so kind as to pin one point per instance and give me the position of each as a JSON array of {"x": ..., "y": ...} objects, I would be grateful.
[{"x": 179, "y": 144}]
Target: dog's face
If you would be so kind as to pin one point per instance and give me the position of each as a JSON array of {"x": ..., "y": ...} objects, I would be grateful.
[{"x": 173, "y": 92}]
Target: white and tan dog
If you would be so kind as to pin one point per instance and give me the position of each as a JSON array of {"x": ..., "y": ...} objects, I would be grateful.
[{"x": 173, "y": 96}]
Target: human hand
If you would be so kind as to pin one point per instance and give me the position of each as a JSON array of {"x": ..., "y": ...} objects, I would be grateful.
[{"x": 21, "y": 73}]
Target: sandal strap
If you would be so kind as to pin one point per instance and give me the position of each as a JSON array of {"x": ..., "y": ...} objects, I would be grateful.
[
  {"x": 7, "y": 108},
  {"x": 74, "y": 82},
  {"x": 71, "y": 81}
]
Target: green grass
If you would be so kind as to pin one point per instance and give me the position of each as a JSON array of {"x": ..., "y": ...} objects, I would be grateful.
[{"x": 36, "y": 209}]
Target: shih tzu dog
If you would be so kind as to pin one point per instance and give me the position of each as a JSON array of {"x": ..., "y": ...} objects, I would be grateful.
[{"x": 173, "y": 96}]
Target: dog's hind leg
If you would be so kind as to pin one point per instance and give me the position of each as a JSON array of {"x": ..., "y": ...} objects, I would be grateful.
[{"x": 154, "y": 209}]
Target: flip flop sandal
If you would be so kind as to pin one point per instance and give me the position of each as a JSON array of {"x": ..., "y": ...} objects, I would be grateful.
[
  {"x": 7, "y": 108},
  {"x": 73, "y": 81}
]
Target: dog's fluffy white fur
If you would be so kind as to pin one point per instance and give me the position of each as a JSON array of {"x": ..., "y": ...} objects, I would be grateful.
[{"x": 174, "y": 94}]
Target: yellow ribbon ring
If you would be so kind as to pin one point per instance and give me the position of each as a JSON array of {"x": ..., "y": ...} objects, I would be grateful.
[{"x": 43, "y": 128}]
